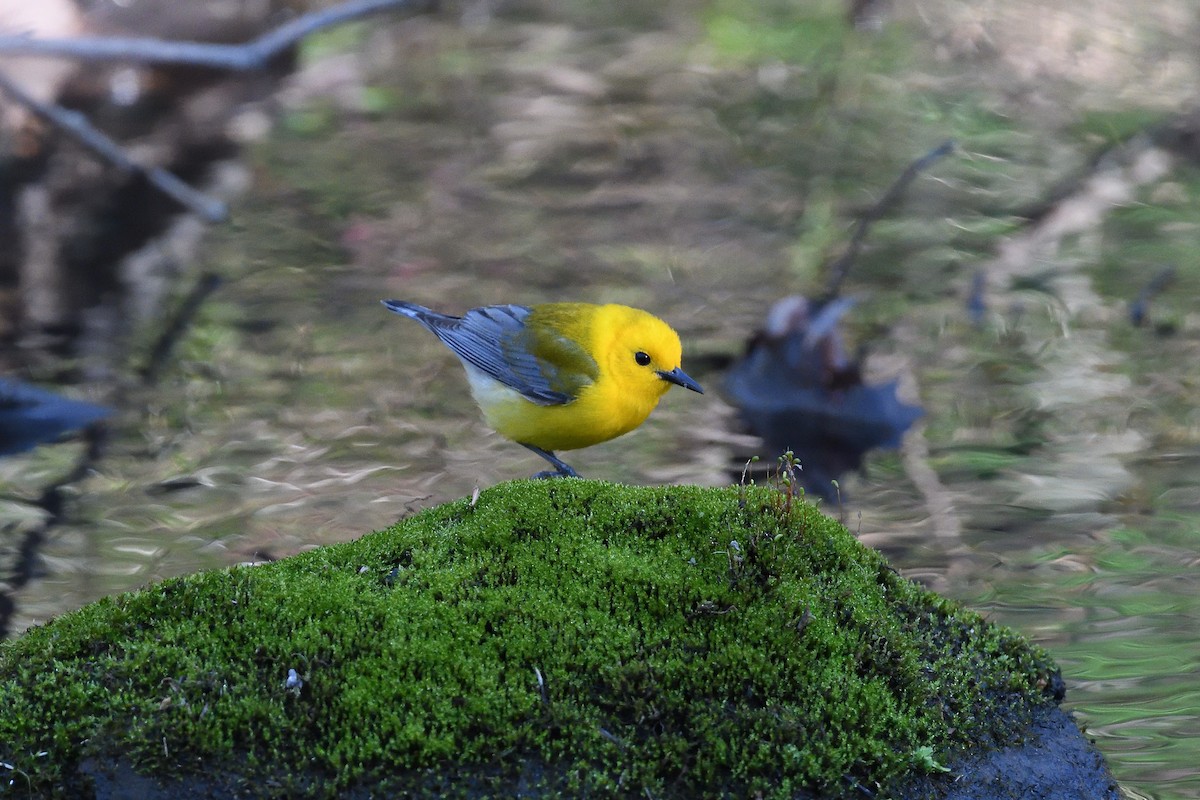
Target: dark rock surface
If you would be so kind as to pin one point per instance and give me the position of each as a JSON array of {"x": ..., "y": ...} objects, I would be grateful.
[{"x": 1056, "y": 762}]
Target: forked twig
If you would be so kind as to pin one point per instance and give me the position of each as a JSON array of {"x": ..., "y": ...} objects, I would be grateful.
[{"x": 241, "y": 57}]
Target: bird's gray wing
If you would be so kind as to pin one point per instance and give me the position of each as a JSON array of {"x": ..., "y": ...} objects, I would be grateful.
[{"x": 546, "y": 368}]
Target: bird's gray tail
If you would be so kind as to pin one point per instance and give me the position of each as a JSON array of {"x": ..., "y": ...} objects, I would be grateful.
[{"x": 426, "y": 316}]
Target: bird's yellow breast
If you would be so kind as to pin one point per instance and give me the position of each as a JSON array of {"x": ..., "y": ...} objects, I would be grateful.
[{"x": 619, "y": 399}]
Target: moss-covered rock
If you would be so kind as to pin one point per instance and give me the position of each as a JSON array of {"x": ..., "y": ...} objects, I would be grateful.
[{"x": 553, "y": 638}]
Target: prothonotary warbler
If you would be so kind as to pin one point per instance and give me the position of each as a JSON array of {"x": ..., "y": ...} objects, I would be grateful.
[{"x": 560, "y": 376}]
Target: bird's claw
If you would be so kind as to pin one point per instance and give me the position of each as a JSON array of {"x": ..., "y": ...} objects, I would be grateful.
[
  {"x": 561, "y": 469},
  {"x": 557, "y": 473}
]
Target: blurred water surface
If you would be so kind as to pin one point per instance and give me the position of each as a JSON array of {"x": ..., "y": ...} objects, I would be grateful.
[{"x": 702, "y": 161}]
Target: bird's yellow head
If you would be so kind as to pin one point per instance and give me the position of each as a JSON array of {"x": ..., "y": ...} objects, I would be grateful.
[{"x": 642, "y": 354}]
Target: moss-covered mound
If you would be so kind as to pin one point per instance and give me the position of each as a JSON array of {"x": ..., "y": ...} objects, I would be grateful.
[{"x": 555, "y": 638}]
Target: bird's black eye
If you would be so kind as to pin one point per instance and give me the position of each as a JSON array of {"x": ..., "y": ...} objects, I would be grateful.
[{"x": 641, "y": 358}]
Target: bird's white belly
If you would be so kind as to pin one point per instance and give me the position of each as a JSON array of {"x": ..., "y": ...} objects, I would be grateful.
[{"x": 489, "y": 393}]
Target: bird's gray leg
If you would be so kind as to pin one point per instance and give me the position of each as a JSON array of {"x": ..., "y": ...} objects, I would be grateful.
[{"x": 561, "y": 469}]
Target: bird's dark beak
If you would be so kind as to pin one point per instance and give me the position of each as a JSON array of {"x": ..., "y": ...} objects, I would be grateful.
[{"x": 680, "y": 378}]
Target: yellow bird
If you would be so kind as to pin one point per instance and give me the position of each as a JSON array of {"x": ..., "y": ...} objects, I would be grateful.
[{"x": 560, "y": 376}]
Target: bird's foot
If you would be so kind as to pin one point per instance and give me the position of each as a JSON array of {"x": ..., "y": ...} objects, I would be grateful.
[
  {"x": 557, "y": 473},
  {"x": 561, "y": 469}
]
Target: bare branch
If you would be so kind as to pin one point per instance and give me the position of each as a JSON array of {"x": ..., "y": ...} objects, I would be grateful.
[
  {"x": 841, "y": 268},
  {"x": 77, "y": 126},
  {"x": 174, "y": 330},
  {"x": 235, "y": 57},
  {"x": 243, "y": 57}
]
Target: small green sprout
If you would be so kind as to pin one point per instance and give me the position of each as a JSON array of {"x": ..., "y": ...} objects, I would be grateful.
[{"x": 923, "y": 758}]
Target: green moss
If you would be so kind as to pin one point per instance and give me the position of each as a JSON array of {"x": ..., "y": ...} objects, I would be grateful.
[{"x": 564, "y": 636}]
